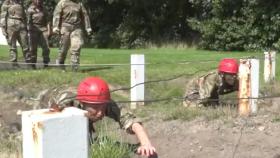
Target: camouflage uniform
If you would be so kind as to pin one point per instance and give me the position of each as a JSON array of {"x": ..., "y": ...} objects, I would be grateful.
[
  {"x": 205, "y": 90},
  {"x": 38, "y": 22},
  {"x": 65, "y": 97},
  {"x": 3, "y": 23},
  {"x": 70, "y": 19},
  {"x": 14, "y": 23}
]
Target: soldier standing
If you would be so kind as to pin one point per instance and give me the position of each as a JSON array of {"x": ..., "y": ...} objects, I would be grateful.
[
  {"x": 70, "y": 19},
  {"x": 14, "y": 26},
  {"x": 39, "y": 30},
  {"x": 205, "y": 90}
]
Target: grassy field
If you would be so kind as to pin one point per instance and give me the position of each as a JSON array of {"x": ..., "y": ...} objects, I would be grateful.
[{"x": 164, "y": 63}]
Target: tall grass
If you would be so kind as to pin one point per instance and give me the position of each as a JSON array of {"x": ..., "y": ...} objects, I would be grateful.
[
  {"x": 109, "y": 144},
  {"x": 10, "y": 145}
]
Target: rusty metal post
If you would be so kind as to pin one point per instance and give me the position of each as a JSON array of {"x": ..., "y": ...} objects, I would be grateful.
[
  {"x": 248, "y": 86},
  {"x": 269, "y": 66},
  {"x": 244, "y": 87}
]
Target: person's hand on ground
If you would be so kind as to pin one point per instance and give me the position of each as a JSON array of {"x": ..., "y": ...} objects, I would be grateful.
[{"x": 146, "y": 150}]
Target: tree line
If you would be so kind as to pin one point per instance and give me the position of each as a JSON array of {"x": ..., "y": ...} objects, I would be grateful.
[{"x": 209, "y": 24}]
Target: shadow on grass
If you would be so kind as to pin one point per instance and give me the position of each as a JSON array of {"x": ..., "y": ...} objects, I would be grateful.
[{"x": 84, "y": 70}]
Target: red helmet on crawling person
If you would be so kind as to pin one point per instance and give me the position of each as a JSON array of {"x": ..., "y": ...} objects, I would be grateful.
[
  {"x": 93, "y": 90},
  {"x": 228, "y": 65}
]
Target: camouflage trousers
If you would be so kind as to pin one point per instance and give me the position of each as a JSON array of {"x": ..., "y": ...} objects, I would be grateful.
[
  {"x": 74, "y": 40},
  {"x": 16, "y": 32},
  {"x": 39, "y": 38}
]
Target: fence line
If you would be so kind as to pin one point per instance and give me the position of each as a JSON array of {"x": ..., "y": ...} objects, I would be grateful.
[
  {"x": 178, "y": 98},
  {"x": 183, "y": 62},
  {"x": 160, "y": 80}
]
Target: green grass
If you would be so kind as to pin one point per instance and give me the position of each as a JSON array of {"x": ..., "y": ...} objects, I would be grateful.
[
  {"x": 109, "y": 143},
  {"x": 108, "y": 148},
  {"x": 163, "y": 64},
  {"x": 276, "y": 119},
  {"x": 10, "y": 145}
]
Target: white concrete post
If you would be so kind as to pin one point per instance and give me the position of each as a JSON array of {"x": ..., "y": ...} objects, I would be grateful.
[
  {"x": 55, "y": 134},
  {"x": 269, "y": 66},
  {"x": 248, "y": 86},
  {"x": 137, "y": 93},
  {"x": 255, "y": 71}
]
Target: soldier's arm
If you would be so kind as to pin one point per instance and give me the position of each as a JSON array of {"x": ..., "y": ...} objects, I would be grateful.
[
  {"x": 133, "y": 126},
  {"x": 24, "y": 16},
  {"x": 207, "y": 86},
  {"x": 4, "y": 15},
  {"x": 58, "y": 11},
  {"x": 29, "y": 15},
  {"x": 123, "y": 116},
  {"x": 86, "y": 20},
  {"x": 49, "y": 22}
]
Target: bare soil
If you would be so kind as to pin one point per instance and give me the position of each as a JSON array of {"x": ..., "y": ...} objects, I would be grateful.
[{"x": 253, "y": 137}]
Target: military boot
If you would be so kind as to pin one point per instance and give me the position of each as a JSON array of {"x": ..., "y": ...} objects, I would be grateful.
[
  {"x": 60, "y": 64},
  {"x": 74, "y": 67}
]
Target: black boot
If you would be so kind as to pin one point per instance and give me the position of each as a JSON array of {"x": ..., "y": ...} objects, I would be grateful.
[{"x": 46, "y": 65}]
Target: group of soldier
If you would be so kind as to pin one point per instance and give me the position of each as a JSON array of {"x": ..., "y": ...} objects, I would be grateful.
[{"x": 33, "y": 26}]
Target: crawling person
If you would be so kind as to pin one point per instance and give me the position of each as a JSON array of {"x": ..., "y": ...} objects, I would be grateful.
[
  {"x": 93, "y": 95},
  {"x": 205, "y": 90}
]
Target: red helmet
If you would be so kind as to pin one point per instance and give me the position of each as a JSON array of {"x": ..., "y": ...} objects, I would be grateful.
[
  {"x": 228, "y": 66},
  {"x": 93, "y": 90}
]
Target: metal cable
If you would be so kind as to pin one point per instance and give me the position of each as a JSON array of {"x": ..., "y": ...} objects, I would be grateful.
[{"x": 183, "y": 62}]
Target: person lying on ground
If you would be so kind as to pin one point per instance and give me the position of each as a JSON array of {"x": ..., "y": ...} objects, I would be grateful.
[
  {"x": 93, "y": 95},
  {"x": 205, "y": 90}
]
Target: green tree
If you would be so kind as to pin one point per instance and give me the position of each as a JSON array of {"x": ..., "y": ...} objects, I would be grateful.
[{"x": 237, "y": 25}]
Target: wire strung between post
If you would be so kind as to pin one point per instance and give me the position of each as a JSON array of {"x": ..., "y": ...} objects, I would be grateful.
[{"x": 183, "y": 62}]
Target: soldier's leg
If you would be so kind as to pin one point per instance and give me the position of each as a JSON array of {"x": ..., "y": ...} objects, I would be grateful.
[
  {"x": 63, "y": 48},
  {"x": 23, "y": 40},
  {"x": 12, "y": 38},
  {"x": 45, "y": 47},
  {"x": 77, "y": 42},
  {"x": 192, "y": 100},
  {"x": 34, "y": 46}
]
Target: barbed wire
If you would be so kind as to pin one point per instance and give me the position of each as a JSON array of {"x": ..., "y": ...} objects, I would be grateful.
[
  {"x": 177, "y": 98},
  {"x": 182, "y": 62},
  {"x": 199, "y": 99},
  {"x": 157, "y": 81},
  {"x": 160, "y": 80}
]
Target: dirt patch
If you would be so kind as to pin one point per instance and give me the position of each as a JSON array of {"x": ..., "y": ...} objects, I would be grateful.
[{"x": 256, "y": 137}]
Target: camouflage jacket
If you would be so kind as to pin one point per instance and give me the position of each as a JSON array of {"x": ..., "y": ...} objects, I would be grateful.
[
  {"x": 205, "y": 90},
  {"x": 15, "y": 11},
  {"x": 12, "y": 14},
  {"x": 65, "y": 97},
  {"x": 70, "y": 14},
  {"x": 4, "y": 13},
  {"x": 38, "y": 18}
]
